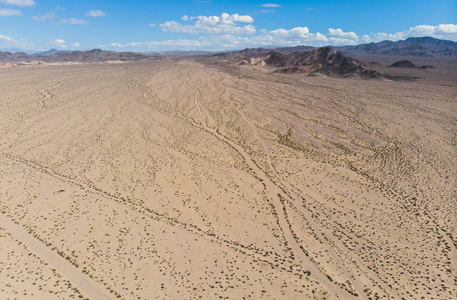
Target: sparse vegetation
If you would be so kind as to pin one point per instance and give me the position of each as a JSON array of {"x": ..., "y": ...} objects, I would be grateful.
[{"x": 190, "y": 181}]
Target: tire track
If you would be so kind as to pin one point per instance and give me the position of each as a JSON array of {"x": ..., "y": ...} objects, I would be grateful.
[
  {"x": 323, "y": 235},
  {"x": 252, "y": 251},
  {"x": 88, "y": 286},
  {"x": 275, "y": 194}
]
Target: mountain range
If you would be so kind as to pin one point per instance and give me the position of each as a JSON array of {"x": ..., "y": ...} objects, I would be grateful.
[
  {"x": 420, "y": 46},
  {"x": 414, "y": 46},
  {"x": 94, "y": 55}
]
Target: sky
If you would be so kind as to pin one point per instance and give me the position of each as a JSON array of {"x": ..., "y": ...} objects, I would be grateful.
[{"x": 211, "y": 25}]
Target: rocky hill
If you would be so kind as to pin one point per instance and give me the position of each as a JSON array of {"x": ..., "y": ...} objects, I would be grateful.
[
  {"x": 408, "y": 64},
  {"x": 325, "y": 61}
]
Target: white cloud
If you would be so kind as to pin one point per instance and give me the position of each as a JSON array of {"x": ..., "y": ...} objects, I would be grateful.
[
  {"x": 212, "y": 25},
  {"x": 169, "y": 44},
  {"x": 341, "y": 34},
  {"x": 76, "y": 45},
  {"x": 421, "y": 30},
  {"x": 365, "y": 38},
  {"x": 297, "y": 32},
  {"x": 9, "y": 42},
  {"x": 20, "y": 3},
  {"x": 76, "y": 21},
  {"x": 294, "y": 36},
  {"x": 442, "y": 31},
  {"x": 44, "y": 17},
  {"x": 96, "y": 13},
  {"x": 237, "y": 18},
  {"x": 271, "y": 5},
  {"x": 152, "y": 25},
  {"x": 381, "y": 36},
  {"x": 73, "y": 21},
  {"x": 6, "y": 12},
  {"x": 5, "y": 38},
  {"x": 231, "y": 39},
  {"x": 59, "y": 43},
  {"x": 278, "y": 37},
  {"x": 446, "y": 29},
  {"x": 341, "y": 41}
]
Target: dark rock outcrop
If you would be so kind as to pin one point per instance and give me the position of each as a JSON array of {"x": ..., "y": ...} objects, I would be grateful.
[
  {"x": 403, "y": 64},
  {"x": 408, "y": 64},
  {"x": 327, "y": 61}
]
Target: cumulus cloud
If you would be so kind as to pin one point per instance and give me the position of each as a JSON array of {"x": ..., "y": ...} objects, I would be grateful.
[
  {"x": 341, "y": 41},
  {"x": 446, "y": 29},
  {"x": 293, "y": 36},
  {"x": 212, "y": 25},
  {"x": 421, "y": 30},
  {"x": 297, "y": 32},
  {"x": 219, "y": 39},
  {"x": 278, "y": 37},
  {"x": 96, "y": 13},
  {"x": 59, "y": 43},
  {"x": 20, "y": 3},
  {"x": 44, "y": 17},
  {"x": 341, "y": 34},
  {"x": 365, "y": 38},
  {"x": 381, "y": 36},
  {"x": 76, "y": 45},
  {"x": 271, "y": 5},
  {"x": 6, "y": 12},
  {"x": 442, "y": 31}
]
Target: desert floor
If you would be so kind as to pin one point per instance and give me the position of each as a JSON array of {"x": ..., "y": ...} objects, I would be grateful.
[{"x": 183, "y": 179}]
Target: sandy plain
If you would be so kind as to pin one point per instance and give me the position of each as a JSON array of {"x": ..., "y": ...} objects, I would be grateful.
[{"x": 184, "y": 179}]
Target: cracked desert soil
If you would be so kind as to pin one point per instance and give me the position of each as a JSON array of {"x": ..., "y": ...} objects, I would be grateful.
[{"x": 177, "y": 179}]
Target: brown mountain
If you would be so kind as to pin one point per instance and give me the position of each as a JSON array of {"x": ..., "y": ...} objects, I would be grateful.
[
  {"x": 18, "y": 56},
  {"x": 326, "y": 61}
]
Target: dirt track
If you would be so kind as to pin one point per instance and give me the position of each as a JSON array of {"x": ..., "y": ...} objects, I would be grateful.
[
  {"x": 180, "y": 180},
  {"x": 89, "y": 288}
]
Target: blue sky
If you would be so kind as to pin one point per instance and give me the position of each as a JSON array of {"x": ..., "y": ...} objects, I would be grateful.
[{"x": 218, "y": 25}]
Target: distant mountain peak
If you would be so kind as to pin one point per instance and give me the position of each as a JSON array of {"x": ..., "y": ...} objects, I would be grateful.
[
  {"x": 94, "y": 55},
  {"x": 50, "y": 52},
  {"x": 413, "y": 46}
]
